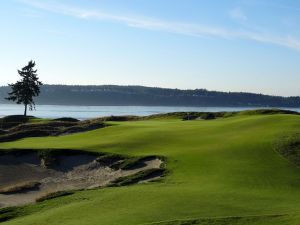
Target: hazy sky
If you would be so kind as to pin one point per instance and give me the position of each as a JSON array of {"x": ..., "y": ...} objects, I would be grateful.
[{"x": 229, "y": 45}]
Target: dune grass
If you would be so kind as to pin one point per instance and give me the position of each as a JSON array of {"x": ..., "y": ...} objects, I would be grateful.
[
  {"x": 223, "y": 171},
  {"x": 48, "y": 128}
]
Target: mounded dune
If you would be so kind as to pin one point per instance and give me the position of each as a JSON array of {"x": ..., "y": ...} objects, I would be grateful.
[{"x": 17, "y": 127}]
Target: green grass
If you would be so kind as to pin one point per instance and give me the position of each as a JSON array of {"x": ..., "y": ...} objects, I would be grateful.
[{"x": 223, "y": 171}]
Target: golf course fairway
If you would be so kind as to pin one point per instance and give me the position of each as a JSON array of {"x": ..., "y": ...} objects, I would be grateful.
[{"x": 224, "y": 171}]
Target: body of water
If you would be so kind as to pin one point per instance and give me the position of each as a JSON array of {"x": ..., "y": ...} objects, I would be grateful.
[{"x": 85, "y": 112}]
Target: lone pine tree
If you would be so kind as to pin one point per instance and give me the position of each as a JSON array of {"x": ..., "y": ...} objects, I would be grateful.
[{"x": 24, "y": 90}]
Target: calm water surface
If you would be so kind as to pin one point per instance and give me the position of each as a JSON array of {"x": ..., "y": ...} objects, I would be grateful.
[{"x": 84, "y": 112}]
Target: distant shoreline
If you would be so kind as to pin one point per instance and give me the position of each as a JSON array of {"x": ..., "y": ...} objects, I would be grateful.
[{"x": 86, "y": 112}]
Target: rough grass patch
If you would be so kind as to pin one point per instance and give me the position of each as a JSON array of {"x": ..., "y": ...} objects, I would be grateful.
[
  {"x": 8, "y": 213},
  {"x": 48, "y": 128},
  {"x": 139, "y": 176},
  {"x": 67, "y": 119},
  {"x": 14, "y": 120},
  {"x": 267, "y": 112},
  {"x": 230, "y": 220},
  {"x": 289, "y": 147},
  {"x": 132, "y": 163},
  {"x": 110, "y": 159},
  {"x": 52, "y": 195}
]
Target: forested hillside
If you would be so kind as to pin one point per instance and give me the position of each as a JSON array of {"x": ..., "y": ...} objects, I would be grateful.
[{"x": 149, "y": 96}]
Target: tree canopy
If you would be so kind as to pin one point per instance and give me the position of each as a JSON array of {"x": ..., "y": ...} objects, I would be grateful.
[{"x": 28, "y": 87}]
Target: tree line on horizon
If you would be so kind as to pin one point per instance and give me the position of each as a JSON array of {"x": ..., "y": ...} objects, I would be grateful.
[{"x": 109, "y": 95}]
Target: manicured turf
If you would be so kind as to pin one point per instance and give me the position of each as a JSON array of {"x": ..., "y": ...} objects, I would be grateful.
[{"x": 222, "y": 171}]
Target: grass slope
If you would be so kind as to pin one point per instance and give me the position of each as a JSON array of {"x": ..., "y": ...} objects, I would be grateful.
[{"x": 222, "y": 171}]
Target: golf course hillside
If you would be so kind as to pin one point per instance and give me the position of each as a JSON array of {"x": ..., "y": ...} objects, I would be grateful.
[{"x": 224, "y": 168}]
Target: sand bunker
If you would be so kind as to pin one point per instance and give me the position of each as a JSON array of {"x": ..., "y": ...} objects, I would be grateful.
[{"x": 26, "y": 176}]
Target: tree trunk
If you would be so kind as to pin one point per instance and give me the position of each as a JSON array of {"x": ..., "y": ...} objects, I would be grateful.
[{"x": 25, "y": 111}]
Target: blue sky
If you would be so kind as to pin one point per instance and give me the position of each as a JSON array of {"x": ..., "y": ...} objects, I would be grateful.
[{"x": 226, "y": 45}]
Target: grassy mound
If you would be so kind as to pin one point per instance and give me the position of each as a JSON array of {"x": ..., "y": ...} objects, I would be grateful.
[
  {"x": 215, "y": 115},
  {"x": 12, "y": 121},
  {"x": 120, "y": 118},
  {"x": 268, "y": 112},
  {"x": 66, "y": 119},
  {"x": 52, "y": 128}
]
